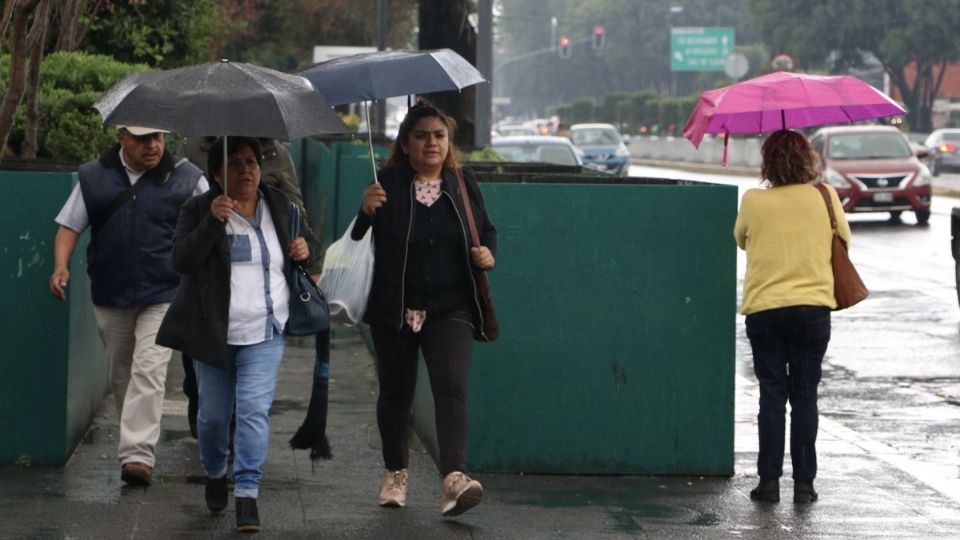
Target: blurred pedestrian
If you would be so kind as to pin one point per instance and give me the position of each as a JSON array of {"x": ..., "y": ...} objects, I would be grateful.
[
  {"x": 237, "y": 260},
  {"x": 423, "y": 297},
  {"x": 129, "y": 198},
  {"x": 787, "y": 299}
]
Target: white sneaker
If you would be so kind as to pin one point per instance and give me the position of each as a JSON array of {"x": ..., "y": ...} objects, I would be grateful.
[
  {"x": 459, "y": 493},
  {"x": 394, "y": 490}
]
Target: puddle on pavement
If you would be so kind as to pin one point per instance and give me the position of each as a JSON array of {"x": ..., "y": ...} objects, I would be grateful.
[{"x": 705, "y": 520}]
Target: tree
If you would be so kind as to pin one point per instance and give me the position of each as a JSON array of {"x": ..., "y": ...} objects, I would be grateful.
[
  {"x": 73, "y": 15},
  {"x": 281, "y": 35},
  {"x": 160, "y": 33},
  {"x": 28, "y": 20},
  {"x": 913, "y": 41}
]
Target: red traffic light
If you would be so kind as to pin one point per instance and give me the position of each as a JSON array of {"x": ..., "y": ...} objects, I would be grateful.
[
  {"x": 599, "y": 36},
  {"x": 563, "y": 50}
]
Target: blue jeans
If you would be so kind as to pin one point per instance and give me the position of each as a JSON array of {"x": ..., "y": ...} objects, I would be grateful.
[
  {"x": 249, "y": 379},
  {"x": 788, "y": 347}
]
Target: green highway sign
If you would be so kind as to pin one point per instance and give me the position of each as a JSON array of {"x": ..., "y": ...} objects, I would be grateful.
[{"x": 700, "y": 49}]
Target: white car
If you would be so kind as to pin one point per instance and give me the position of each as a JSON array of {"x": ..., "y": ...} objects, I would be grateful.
[{"x": 538, "y": 149}]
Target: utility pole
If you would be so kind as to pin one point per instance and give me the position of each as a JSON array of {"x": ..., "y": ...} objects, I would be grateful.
[{"x": 483, "y": 103}]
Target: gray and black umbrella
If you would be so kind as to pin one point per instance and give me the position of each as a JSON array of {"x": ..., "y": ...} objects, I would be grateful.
[{"x": 221, "y": 98}]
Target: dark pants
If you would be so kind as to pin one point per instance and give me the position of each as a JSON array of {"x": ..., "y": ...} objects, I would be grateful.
[
  {"x": 447, "y": 344},
  {"x": 788, "y": 347}
]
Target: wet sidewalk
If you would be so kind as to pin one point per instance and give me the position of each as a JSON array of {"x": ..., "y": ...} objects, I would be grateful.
[{"x": 866, "y": 490}]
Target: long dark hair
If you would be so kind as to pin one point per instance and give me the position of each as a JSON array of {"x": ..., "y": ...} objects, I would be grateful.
[
  {"x": 788, "y": 159},
  {"x": 420, "y": 110}
]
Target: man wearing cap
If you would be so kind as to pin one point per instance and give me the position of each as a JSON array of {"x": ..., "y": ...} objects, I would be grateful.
[{"x": 130, "y": 199}]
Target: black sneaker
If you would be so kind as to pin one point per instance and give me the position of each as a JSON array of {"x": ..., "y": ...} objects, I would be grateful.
[
  {"x": 216, "y": 493},
  {"x": 248, "y": 519}
]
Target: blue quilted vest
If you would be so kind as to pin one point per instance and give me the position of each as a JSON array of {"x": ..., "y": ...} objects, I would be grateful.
[{"x": 129, "y": 258}]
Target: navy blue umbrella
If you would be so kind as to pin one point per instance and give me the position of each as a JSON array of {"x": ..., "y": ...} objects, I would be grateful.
[{"x": 383, "y": 74}]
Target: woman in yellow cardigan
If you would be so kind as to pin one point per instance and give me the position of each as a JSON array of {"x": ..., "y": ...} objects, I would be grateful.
[{"x": 787, "y": 299}]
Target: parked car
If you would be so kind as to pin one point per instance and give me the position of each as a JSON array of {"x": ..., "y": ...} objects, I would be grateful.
[
  {"x": 874, "y": 169},
  {"x": 509, "y": 130},
  {"x": 537, "y": 149},
  {"x": 602, "y": 147},
  {"x": 943, "y": 146}
]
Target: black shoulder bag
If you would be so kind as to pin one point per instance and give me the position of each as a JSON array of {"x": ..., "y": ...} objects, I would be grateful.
[{"x": 309, "y": 312}]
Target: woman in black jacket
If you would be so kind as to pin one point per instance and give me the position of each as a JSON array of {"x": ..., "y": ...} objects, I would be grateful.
[
  {"x": 423, "y": 297},
  {"x": 237, "y": 260}
]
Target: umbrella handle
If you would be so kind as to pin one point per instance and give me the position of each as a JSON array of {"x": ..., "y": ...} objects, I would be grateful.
[{"x": 225, "y": 165}]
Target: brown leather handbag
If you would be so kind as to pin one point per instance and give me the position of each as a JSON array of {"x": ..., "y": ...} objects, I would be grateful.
[
  {"x": 848, "y": 288},
  {"x": 489, "y": 330}
]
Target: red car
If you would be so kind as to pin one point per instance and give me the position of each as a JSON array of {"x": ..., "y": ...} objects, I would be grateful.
[{"x": 874, "y": 169}]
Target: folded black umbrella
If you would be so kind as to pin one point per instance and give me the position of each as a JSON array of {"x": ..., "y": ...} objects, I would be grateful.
[{"x": 312, "y": 434}]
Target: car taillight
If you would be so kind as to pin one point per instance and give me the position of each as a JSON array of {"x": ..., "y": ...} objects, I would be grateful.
[{"x": 947, "y": 147}]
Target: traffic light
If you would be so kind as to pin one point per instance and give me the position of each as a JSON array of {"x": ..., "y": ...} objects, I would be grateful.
[
  {"x": 599, "y": 36},
  {"x": 563, "y": 48}
]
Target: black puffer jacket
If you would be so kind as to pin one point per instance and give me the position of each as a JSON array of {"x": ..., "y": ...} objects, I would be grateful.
[{"x": 391, "y": 229}]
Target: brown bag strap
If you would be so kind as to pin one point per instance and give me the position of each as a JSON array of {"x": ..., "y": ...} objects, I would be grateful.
[
  {"x": 826, "y": 198},
  {"x": 466, "y": 207}
]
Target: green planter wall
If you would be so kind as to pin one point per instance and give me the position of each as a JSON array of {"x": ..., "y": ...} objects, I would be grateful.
[
  {"x": 54, "y": 367},
  {"x": 617, "y": 308}
]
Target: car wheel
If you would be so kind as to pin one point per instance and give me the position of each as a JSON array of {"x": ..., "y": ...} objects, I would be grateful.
[{"x": 923, "y": 216}]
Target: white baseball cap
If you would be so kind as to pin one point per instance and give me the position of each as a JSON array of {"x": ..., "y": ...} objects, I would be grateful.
[{"x": 140, "y": 130}]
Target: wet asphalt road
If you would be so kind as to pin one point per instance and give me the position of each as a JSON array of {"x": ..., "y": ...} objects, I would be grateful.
[{"x": 891, "y": 376}]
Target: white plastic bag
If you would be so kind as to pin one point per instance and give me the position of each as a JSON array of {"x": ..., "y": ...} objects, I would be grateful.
[{"x": 347, "y": 276}]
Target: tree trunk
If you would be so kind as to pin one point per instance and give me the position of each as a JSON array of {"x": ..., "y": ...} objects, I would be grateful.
[
  {"x": 72, "y": 33},
  {"x": 36, "y": 42},
  {"x": 443, "y": 24},
  {"x": 18, "y": 73}
]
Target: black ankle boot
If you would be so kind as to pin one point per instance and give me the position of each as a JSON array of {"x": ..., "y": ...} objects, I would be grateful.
[
  {"x": 248, "y": 519},
  {"x": 215, "y": 493},
  {"x": 803, "y": 491},
  {"x": 767, "y": 490}
]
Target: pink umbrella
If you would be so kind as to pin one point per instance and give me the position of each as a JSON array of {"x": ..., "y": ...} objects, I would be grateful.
[{"x": 784, "y": 100}]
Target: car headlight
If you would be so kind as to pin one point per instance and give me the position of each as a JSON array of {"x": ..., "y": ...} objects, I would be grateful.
[
  {"x": 835, "y": 179},
  {"x": 923, "y": 178}
]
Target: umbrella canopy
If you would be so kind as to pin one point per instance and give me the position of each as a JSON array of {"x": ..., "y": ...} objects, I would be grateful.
[
  {"x": 784, "y": 100},
  {"x": 221, "y": 98},
  {"x": 383, "y": 74}
]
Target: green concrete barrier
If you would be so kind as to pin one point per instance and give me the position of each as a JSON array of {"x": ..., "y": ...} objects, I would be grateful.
[
  {"x": 53, "y": 365},
  {"x": 617, "y": 303}
]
